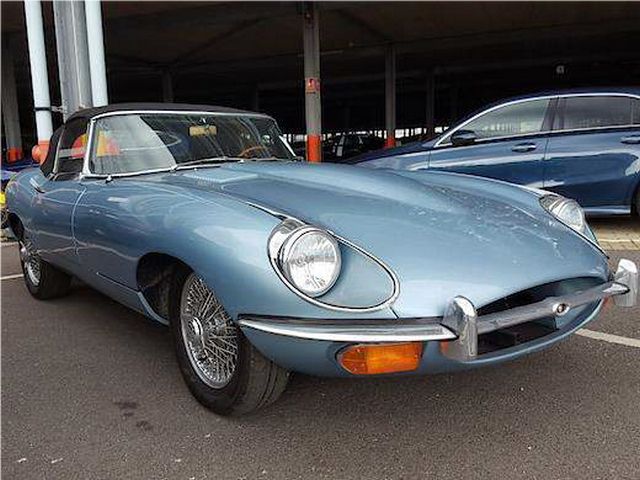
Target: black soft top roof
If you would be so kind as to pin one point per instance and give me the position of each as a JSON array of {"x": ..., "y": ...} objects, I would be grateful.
[{"x": 89, "y": 113}]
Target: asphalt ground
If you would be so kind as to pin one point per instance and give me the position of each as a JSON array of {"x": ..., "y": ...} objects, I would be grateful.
[{"x": 91, "y": 390}]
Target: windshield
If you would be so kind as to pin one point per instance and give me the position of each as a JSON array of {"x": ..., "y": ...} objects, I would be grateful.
[{"x": 139, "y": 142}]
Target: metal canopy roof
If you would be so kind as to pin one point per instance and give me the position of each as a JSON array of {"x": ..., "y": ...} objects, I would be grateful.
[{"x": 225, "y": 52}]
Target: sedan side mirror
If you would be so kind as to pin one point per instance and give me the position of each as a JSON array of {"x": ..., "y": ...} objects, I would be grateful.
[{"x": 463, "y": 137}]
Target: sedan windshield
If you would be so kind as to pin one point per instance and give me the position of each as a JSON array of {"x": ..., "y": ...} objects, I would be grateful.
[{"x": 133, "y": 143}]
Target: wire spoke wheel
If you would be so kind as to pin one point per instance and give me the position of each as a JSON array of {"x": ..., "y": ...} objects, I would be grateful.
[
  {"x": 209, "y": 335},
  {"x": 31, "y": 261}
]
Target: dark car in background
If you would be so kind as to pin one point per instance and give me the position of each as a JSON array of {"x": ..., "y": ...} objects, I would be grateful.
[
  {"x": 581, "y": 144},
  {"x": 342, "y": 147}
]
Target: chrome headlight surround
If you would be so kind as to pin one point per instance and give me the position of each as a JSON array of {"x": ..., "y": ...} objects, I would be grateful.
[
  {"x": 307, "y": 257},
  {"x": 567, "y": 211}
]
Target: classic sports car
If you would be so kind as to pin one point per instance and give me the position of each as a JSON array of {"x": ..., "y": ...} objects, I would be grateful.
[
  {"x": 198, "y": 218},
  {"x": 582, "y": 144}
]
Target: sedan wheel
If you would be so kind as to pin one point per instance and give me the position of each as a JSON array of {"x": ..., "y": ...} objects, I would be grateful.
[{"x": 221, "y": 368}]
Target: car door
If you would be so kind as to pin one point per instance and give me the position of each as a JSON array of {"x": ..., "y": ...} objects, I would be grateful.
[
  {"x": 506, "y": 142},
  {"x": 56, "y": 195},
  {"x": 593, "y": 154}
]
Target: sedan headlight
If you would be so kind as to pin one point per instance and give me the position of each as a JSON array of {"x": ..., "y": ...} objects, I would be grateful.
[
  {"x": 567, "y": 211},
  {"x": 310, "y": 260}
]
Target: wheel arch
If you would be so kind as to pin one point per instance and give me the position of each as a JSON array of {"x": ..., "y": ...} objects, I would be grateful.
[
  {"x": 154, "y": 276},
  {"x": 15, "y": 224}
]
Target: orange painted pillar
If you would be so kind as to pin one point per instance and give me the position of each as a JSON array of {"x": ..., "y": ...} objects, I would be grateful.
[
  {"x": 314, "y": 148},
  {"x": 14, "y": 154},
  {"x": 313, "y": 108}
]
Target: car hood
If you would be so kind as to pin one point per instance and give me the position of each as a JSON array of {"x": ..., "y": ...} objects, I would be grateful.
[{"x": 442, "y": 234}]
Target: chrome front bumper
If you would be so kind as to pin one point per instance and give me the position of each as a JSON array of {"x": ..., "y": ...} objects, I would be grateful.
[{"x": 460, "y": 325}]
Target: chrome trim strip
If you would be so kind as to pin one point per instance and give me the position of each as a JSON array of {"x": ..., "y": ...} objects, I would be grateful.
[
  {"x": 87, "y": 153},
  {"x": 369, "y": 331},
  {"x": 450, "y": 132},
  {"x": 180, "y": 112}
]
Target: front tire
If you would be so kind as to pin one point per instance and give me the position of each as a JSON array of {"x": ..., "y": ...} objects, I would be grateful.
[
  {"x": 43, "y": 280},
  {"x": 222, "y": 369}
]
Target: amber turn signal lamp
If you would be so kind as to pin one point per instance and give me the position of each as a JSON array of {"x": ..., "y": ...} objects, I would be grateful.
[{"x": 381, "y": 358}]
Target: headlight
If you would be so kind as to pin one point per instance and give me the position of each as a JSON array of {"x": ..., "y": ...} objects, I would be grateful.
[
  {"x": 310, "y": 260},
  {"x": 567, "y": 211}
]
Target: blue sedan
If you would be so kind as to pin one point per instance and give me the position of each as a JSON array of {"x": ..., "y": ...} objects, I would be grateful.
[
  {"x": 201, "y": 219},
  {"x": 584, "y": 145}
]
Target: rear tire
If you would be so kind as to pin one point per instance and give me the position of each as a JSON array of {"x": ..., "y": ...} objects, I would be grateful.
[
  {"x": 43, "y": 280},
  {"x": 223, "y": 371}
]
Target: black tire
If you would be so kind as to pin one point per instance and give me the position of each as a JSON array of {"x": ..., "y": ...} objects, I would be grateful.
[
  {"x": 52, "y": 283},
  {"x": 255, "y": 383},
  {"x": 637, "y": 203}
]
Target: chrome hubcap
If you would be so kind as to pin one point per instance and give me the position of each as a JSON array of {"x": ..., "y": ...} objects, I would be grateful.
[
  {"x": 209, "y": 335},
  {"x": 31, "y": 262}
]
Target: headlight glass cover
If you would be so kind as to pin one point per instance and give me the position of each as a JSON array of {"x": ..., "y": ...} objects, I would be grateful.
[
  {"x": 310, "y": 260},
  {"x": 567, "y": 211}
]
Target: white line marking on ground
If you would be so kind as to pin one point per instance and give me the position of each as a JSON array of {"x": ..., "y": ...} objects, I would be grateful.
[
  {"x": 11, "y": 277},
  {"x": 8, "y": 244},
  {"x": 607, "y": 337},
  {"x": 619, "y": 240}
]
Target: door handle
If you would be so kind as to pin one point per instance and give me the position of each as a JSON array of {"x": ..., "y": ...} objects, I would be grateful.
[
  {"x": 631, "y": 139},
  {"x": 524, "y": 147}
]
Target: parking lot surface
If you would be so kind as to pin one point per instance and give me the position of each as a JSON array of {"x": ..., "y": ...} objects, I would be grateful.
[{"x": 91, "y": 389}]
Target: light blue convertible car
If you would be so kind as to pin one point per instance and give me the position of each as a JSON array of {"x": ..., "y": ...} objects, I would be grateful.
[{"x": 200, "y": 218}]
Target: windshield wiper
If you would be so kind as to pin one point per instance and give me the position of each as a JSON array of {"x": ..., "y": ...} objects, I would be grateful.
[
  {"x": 267, "y": 159},
  {"x": 207, "y": 161}
]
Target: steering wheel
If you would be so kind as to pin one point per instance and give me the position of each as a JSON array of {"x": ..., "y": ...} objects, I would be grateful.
[{"x": 255, "y": 148}]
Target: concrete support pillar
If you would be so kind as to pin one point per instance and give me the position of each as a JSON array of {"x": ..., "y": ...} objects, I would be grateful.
[
  {"x": 73, "y": 56},
  {"x": 430, "y": 87},
  {"x": 10, "y": 113},
  {"x": 313, "y": 110},
  {"x": 390, "y": 96},
  {"x": 95, "y": 43},
  {"x": 167, "y": 86},
  {"x": 39, "y": 77}
]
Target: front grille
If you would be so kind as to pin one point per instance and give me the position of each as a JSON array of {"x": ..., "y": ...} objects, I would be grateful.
[
  {"x": 529, "y": 331},
  {"x": 515, "y": 335},
  {"x": 539, "y": 293}
]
